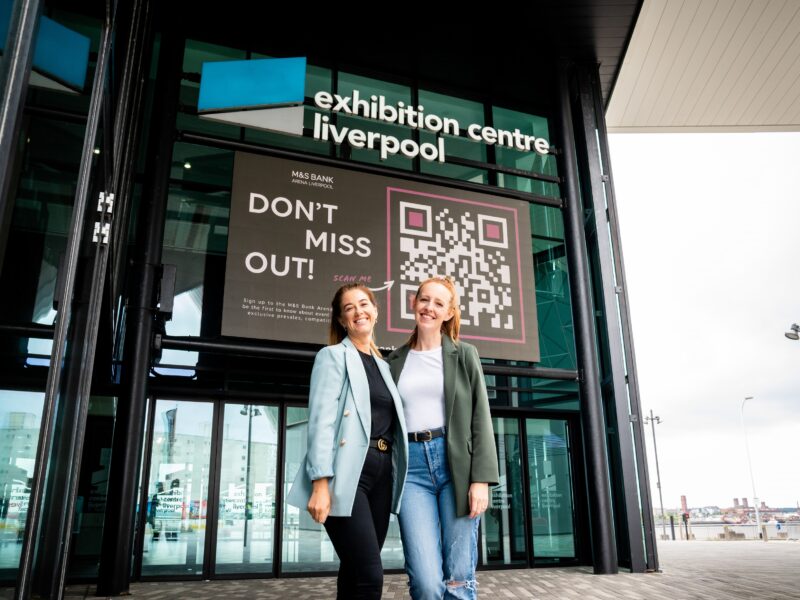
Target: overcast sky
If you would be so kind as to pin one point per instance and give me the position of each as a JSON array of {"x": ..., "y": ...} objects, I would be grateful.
[{"x": 710, "y": 227}]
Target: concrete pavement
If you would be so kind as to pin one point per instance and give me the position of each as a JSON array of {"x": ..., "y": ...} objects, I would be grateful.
[{"x": 697, "y": 569}]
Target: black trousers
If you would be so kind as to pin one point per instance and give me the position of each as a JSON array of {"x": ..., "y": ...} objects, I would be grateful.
[{"x": 358, "y": 539}]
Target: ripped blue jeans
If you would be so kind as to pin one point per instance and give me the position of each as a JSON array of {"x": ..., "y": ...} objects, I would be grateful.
[{"x": 441, "y": 549}]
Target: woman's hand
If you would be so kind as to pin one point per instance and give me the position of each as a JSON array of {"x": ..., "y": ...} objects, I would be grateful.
[
  {"x": 319, "y": 505},
  {"x": 478, "y": 499}
]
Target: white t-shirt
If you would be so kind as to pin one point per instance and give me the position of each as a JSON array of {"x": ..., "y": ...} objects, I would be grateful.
[{"x": 421, "y": 387}]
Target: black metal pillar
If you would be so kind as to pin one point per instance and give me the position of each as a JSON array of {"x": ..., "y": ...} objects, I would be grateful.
[
  {"x": 631, "y": 373},
  {"x": 119, "y": 123},
  {"x": 15, "y": 68},
  {"x": 118, "y": 531},
  {"x": 604, "y": 550},
  {"x": 56, "y": 380},
  {"x": 607, "y": 287}
]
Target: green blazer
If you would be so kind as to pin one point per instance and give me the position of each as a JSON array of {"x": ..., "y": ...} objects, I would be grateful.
[{"x": 471, "y": 451}]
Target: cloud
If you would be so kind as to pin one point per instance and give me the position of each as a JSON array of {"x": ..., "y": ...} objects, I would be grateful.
[{"x": 709, "y": 227}]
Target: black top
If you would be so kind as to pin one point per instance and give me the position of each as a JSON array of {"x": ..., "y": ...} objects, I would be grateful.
[{"x": 380, "y": 400}]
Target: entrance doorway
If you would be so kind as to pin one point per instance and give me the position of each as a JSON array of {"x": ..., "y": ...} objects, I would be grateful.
[
  {"x": 211, "y": 475},
  {"x": 531, "y": 517},
  {"x": 216, "y": 472}
]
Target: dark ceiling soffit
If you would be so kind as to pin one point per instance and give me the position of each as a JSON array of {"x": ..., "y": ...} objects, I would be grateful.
[{"x": 607, "y": 94}]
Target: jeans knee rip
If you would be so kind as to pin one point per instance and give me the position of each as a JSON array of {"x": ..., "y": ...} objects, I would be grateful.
[{"x": 470, "y": 585}]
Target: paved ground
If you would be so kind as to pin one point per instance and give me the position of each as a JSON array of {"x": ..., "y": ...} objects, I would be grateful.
[{"x": 701, "y": 570}]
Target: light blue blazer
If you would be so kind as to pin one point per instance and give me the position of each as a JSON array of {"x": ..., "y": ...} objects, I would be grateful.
[{"x": 339, "y": 424}]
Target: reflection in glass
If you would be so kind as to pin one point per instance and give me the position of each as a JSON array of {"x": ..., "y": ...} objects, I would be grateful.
[
  {"x": 20, "y": 415},
  {"x": 246, "y": 525},
  {"x": 503, "y": 525},
  {"x": 551, "y": 488},
  {"x": 306, "y": 546},
  {"x": 533, "y": 162},
  {"x": 84, "y": 558},
  {"x": 195, "y": 241},
  {"x": 177, "y": 489}
]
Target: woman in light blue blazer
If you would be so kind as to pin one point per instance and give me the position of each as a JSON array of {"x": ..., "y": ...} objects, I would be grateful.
[{"x": 356, "y": 463}]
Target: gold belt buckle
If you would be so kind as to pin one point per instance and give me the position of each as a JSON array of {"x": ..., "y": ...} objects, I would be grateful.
[{"x": 382, "y": 445}]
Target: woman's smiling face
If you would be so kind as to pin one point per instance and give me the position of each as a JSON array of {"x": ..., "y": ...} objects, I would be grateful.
[
  {"x": 433, "y": 306},
  {"x": 358, "y": 313}
]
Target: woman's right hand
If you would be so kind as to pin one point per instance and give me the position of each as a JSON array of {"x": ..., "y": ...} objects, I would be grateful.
[{"x": 319, "y": 505}]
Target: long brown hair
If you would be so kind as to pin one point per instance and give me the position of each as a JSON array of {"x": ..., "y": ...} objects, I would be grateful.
[
  {"x": 337, "y": 332},
  {"x": 450, "y": 327}
]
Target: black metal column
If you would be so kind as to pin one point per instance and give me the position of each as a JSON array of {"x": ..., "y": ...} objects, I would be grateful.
[
  {"x": 56, "y": 377},
  {"x": 604, "y": 551},
  {"x": 624, "y": 472},
  {"x": 118, "y": 532},
  {"x": 15, "y": 67},
  {"x": 120, "y": 132},
  {"x": 632, "y": 376}
]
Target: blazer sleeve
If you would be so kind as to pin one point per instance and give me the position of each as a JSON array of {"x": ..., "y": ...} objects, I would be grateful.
[
  {"x": 484, "y": 453},
  {"x": 328, "y": 378}
]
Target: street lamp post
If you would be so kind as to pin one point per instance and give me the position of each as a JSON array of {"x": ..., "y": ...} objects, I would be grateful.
[
  {"x": 249, "y": 411},
  {"x": 653, "y": 420},
  {"x": 750, "y": 466}
]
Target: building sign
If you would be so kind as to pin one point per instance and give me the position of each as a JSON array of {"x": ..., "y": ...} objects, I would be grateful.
[
  {"x": 298, "y": 231},
  {"x": 269, "y": 94}
]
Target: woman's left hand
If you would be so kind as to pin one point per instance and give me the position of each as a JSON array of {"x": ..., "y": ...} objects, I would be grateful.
[{"x": 478, "y": 499}]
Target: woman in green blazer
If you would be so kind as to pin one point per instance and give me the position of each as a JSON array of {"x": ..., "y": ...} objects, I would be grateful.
[{"x": 452, "y": 455}]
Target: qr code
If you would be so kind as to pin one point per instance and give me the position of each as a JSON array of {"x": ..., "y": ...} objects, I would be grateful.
[{"x": 470, "y": 243}]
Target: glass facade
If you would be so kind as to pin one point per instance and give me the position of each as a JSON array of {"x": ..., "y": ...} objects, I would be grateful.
[{"x": 226, "y": 427}]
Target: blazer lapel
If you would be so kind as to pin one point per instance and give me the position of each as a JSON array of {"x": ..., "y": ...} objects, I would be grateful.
[
  {"x": 398, "y": 403},
  {"x": 358, "y": 384},
  {"x": 450, "y": 368},
  {"x": 397, "y": 361}
]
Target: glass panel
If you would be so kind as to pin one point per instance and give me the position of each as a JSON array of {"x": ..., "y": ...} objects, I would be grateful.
[
  {"x": 246, "y": 527},
  {"x": 195, "y": 240},
  {"x": 178, "y": 488},
  {"x": 531, "y": 392},
  {"x": 553, "y": 305},
  {"x": 551, "y": 489},
  {"x": 20, "y": 416},
  {"x": 509, "y": 120},
  {"x": 92, "y": 486},
  {"x": 466, "y": 113},
  {"x": 503, "y": 526},
  {"x": 40, "y": 223},
  {"x": 306, "y": 546},
  {"x": 393, "y": 93}
]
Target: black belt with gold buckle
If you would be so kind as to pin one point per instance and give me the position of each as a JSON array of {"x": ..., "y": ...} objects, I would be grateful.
[
  {"x": 380, "y": 444},
  {"x": 426, "y": 435}
]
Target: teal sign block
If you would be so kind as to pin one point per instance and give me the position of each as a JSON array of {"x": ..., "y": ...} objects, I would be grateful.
[
  {"x": 248, "y": 84},
  {"x": 59, "y": 53}
]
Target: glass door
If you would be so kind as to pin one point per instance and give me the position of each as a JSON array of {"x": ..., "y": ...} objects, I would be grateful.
[
  {"x": 551, "y": 500},
  {"x": 247, "y": 489},
  {"x": 177, "y": 488},
  {"x": 503, "y": 530}
]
